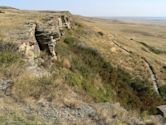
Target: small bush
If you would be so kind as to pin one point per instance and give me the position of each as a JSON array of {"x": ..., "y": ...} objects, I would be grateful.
[
  {"x": 164, "y": 67},
  {"x": 78, "y": 25},
  {"x": 1, "y": 11},
  {"x": 100, "y": 33},
  {"x": 73, "y": 79},
  {"x": 139, "y": 86},
  {"x": 69, "y": 40},
  {"x": 162, "y": 91}
]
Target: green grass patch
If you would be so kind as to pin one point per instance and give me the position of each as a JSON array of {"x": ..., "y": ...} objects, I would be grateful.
[
  {"x": 8, "y": 53},
  {"x": 29, "y": 86},
  {"x": 14, "y": 118},
  {"x": 131, "y": 92},
  {"x": 153, "y": 49},
  {"x": 98, "y": 95},
  {"x": 76, "y": 79},
  {"x": 162, "y": 90},
  {"x": 69, "y": 40}
]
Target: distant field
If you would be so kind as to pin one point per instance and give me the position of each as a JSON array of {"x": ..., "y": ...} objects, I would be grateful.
[
  {"x": 141, "y": 20},
  {"x": 145, "y": 37}
]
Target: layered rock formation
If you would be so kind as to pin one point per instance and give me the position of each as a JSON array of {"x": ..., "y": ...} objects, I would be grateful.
[{"x": 44, "y": 35}]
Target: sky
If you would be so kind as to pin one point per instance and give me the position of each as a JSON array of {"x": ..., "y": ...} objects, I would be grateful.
[{"x": 100, "y": 8}]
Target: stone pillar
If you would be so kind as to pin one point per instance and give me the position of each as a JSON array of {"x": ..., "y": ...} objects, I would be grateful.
[
  {"x": 51, "y": 47},
  {"x": 60, "y": 26},
  {"x": 33, "y": 42},
  {"x": 67, "y": 23}
]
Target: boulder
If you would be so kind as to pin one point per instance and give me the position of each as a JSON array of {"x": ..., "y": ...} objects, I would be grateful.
[
  {"x": 5, "y": 86},
  {"x": 43, "y": 36},
  {"x": 162, "y": 110}
]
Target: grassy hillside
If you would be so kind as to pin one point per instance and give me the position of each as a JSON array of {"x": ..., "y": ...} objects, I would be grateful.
[{"x": 90, "y": 67}]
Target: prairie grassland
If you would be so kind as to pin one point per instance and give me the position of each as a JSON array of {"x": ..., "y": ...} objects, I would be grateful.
[
  {"x": 100, "y": 70},
  {"x": 142, "y": 39}
]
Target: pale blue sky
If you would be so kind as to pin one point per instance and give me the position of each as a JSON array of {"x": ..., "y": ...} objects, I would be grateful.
[{"x": 152, "y": 8}]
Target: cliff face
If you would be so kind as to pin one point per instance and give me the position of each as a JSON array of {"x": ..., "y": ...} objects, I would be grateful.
[{"x": 57, "y": 68}]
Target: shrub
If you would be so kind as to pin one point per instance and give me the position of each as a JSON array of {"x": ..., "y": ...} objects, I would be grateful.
[
  {"x": 100, "y": 33},
  {"x": 164, "y": 67},
  {"x": 162, "y": 91},
  {"x": 139, "y": 86},
  {"x": 73, "y": 79},
  {"x": 78, "y": 25},
  {"x": 69, "y": 40}
]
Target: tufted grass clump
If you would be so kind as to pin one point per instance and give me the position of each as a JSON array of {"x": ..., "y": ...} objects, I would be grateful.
[
  {"x": 8, "y": 57},
  {"x": 69, "y": 40},
  {"x": 11, "y": 60},
  {"x": 76, "y": 80},
  {"x": 31, "y": 86},
  {"x": 73, "y": 79},
  {"x": 13, "y": 117},
  {"x": 8, "y": 53}
]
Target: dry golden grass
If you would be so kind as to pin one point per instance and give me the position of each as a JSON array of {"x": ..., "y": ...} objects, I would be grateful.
[
  {"x": 129, "y": 35},
  {"x": 26, "y": 86}
]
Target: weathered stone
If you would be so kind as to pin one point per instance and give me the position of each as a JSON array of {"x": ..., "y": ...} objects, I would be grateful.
[
  {"x": 48, "y": 18},
  {"x": 47, "y": 39},
  {"x": 64, "y": 22},
  {"x": 30, "y": 46},
  {"x": 158, "y": 119},
  {"x": 162, "y": 110},
  {"x": 5, "y": 86},
  {"x": 51, "y": 45},
  {"x": 149, "y": 122}
]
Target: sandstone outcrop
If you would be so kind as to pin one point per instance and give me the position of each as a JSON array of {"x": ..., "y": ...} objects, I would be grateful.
[
  {"x": 5, "y": 86},
  {"x": 44, "y": 35},
  {"x": 162, "y": 110}
]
